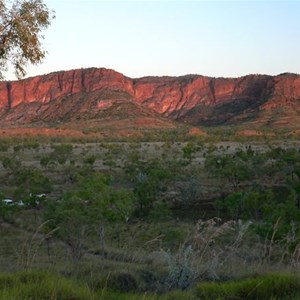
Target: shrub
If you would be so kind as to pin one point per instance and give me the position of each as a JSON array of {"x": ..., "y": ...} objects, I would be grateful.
[
  {"x": 3, "y": 147},
  {"x": 61, "y": 153},
  {"x": 123, "y": 282},
  {"x": 188, "y": 150},
  {"x": 90, "y": 160},
  {"x": 159, "y": 211},
  {"x": 181, "y": 274},
  {"x": 18, "y": 148},
  {"x": 45, "y": 160},
  {"x": 63, "y": 149},
  {"x": 11, "y": 163},
  {"x": 31, "y": 144}
]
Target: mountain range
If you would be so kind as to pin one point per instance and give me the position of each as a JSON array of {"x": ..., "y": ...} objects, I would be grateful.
[{"x": 89, "y": 97}]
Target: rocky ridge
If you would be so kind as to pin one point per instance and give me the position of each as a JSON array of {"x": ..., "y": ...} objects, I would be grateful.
[{"x": 93, "y": 93}]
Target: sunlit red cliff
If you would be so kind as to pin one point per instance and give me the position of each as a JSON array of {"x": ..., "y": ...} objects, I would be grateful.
[{"x": 260, "y": 100}]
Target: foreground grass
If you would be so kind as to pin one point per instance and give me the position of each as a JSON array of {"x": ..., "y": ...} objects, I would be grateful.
[
  {"x": 272, "y": 286},
  {"x": 42, "y": 285},
  {"x": 38, "y": 285}
]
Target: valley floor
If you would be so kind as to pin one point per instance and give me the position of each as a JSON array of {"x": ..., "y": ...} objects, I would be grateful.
[{"x": 149, "y": 220}]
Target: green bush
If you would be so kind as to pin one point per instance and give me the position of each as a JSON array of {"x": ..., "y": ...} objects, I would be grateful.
[
  {"x": 181, "y": 274},
  {"x": 123, "y": 282},
  {"x": 18, "y": 148},
  {"x": 3, "y": 147},
  {"x": 11, "y": 163},
  {"x": 90, "y": 160},
  {"x": 45, "y": 161},
  {"x": 28, "y": 144},
  {"x": 63, "y": 149}
]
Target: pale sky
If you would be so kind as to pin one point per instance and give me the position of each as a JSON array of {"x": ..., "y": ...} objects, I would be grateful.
[{"x": 140, "y": 38}]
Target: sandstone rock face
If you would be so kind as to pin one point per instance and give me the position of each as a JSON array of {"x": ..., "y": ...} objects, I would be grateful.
[
  {"x": 193, "y": 99},
  {"x": 196, "y": 99},
  {"x": 44, "y": 89}
]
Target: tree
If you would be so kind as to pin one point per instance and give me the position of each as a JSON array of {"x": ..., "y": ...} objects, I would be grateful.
[
  {"x": 233, "y": 168},
  {"x": 21, "y": 24},
  {"x": 149, "y": 179},
  {"x": 87, "y": 209},
  {"x": 30, "y": 183}
]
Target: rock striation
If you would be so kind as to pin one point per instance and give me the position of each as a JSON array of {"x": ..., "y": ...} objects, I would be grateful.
[{"x": 198, "y": 100}]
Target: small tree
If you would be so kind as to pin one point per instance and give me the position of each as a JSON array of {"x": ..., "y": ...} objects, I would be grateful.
[
  {"x": 232, "y": 168},
  {"x": 86, "y": 209},
  {"x": 21, "y": 24},
  {"x": 150, "y": 179},
  {"x": 30, "y": 183},
  {"x": 6, "y": 211}
]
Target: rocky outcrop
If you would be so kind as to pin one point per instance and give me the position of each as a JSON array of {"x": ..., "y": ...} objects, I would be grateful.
[
  {"x": 44, "y": 89},
  {"x": 198, "y": 99},
  {"x": 193, "y": 99}
]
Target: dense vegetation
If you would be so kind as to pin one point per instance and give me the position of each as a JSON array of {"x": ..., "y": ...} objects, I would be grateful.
[{"x": 165, "y": 220}]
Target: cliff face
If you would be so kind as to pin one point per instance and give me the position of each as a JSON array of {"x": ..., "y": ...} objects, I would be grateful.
[
  {"x": 196, "y": 99},
  {"x": 193, "y": 99},
  {"x": 44, "y": 89}
]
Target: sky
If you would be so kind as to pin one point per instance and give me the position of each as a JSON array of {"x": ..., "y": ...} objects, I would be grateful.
[{"x": 141, "y": 38}]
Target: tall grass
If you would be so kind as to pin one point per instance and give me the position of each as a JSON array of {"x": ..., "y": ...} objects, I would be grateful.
[
  {"x": 271, "y": 286},
  {"x": 43, "y": 285},
  {"x": 35, "y": 285}
]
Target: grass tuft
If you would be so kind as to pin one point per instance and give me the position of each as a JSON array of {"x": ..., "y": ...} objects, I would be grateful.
[
  {"x": 37, "y": 285},
  {"x": 271, "y": 286}
]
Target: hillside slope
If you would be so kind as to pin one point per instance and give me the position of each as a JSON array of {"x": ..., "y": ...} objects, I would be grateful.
[{"x": 98, "y": 94}]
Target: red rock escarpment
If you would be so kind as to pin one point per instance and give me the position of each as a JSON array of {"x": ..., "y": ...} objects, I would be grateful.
[
  {"x": 191, "y": 98},
  {"x": 46, "y": 88},
  {"x": 211, "y": 101},
  {"x": 175, "y": 96}
]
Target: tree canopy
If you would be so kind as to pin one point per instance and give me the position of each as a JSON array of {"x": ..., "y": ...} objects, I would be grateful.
[{"x": 21, "y": 26}]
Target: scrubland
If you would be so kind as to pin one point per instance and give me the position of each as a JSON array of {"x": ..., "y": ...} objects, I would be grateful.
[{"x": 167, "y": 219}]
